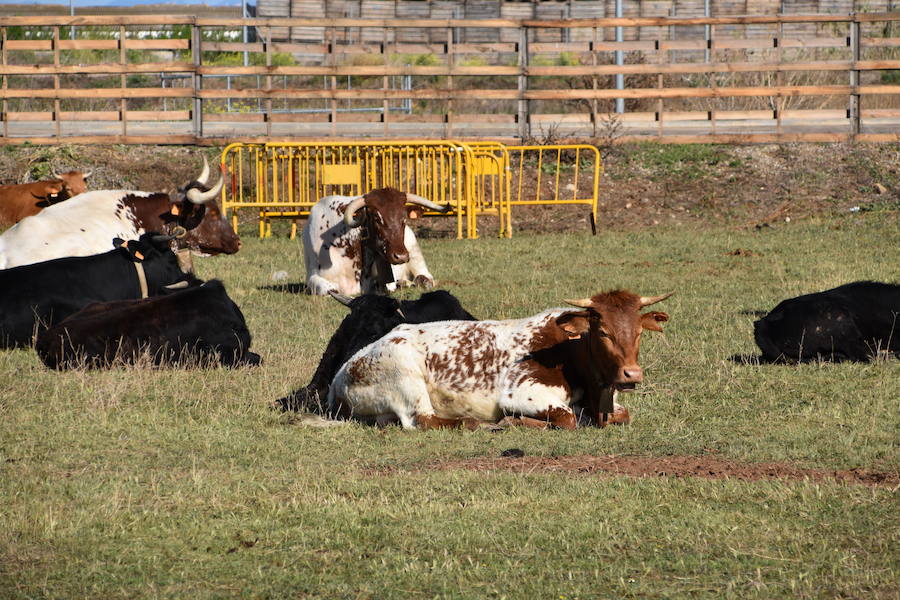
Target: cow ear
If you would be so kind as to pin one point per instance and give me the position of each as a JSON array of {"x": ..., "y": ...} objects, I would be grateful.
[
  {"x": 414, "y": 212},
  {"x": 119, "y": 242},
  {"x": 573, "y": 325},
  {"x": 652, "y": 320},
  {"x": 174, "y": 209}
]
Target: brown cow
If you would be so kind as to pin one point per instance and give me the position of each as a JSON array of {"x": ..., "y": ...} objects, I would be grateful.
[
  {"x": 555, "y": 368},
  {"x": 21, "y": 200}
]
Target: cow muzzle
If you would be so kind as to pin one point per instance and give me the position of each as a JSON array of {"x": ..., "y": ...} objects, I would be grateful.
[
  {"x": 628, "y": 377},
  {"x": 398, "y": 258}
]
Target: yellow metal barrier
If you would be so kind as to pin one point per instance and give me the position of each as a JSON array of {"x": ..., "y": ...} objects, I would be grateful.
[
  {"x": 284, "y": 180},
  {"x": 572, "y": 170}
]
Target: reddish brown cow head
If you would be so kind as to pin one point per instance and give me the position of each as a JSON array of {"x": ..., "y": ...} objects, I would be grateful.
[
  {"x": 384, "y": 215},
  {"x": 73, "y": 182},
  {"x": 610, "y": 330},
  {"x": 196, "y": 210}
]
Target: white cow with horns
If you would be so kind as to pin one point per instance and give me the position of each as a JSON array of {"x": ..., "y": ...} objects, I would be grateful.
[{"x": 361, "y": 244}]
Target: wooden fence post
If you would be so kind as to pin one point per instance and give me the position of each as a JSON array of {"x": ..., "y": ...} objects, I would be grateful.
[
  {"x": 196, "y": 81},
  {"x": 523, "y": 113},
  {"x": 854, "y": 77}
]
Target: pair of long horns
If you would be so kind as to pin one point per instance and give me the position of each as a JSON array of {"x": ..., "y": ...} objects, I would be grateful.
[
  {"x": 198, "y": 197},
  {"x": 645, "y": 301},
  {"x": 411, "y": 198},
  {"x": 84, "y": 175}
]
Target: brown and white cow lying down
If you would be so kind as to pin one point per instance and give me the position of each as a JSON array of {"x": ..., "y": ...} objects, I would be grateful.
[
  {"x": 20, "y": 200},
  {"x": 361, "y": 244},
  {"x": 548, "y": 369}
]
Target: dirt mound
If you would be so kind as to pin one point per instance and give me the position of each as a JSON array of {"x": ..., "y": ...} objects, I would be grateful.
[{"x": 667, "y": 466}]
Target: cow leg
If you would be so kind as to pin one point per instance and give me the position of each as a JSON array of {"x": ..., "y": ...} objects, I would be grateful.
[
  {"x": 416, "y": 269},
  {"x": 619, "y": 416},
  {"x": 558, "y": 417},
  {"x": 319, "y": 286},
  {"x": 435, "y": 422}
]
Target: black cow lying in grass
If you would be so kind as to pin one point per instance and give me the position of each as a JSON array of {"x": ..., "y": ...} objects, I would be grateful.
[
  {"x": 851, "y": 322},
  {"x": 195, "y": 326},
  {"x": 371, "y": 317},
  {"x": 41, "y": 294}
]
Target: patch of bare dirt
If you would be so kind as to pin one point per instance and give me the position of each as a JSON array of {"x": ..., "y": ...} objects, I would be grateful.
[{"x": 705, "y": 467}]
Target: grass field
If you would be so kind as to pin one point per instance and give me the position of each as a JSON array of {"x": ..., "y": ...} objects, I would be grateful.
[{"x": 184, "y": 484}]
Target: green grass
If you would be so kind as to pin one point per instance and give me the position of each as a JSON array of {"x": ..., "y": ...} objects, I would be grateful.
[{"x": 173, "y": 484}]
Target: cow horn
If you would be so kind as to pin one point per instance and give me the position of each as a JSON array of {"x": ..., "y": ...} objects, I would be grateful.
[
  {"x": 204, "y": 174},
  {"x": 581, "y": 303},
  {"x": 648, "y": 300},
  {"x": 86, "y": 174},
  {"x": 351, "y": 209},
  {"x": 198, "y": 197},
  {"x": 416, "y": 199},
  {"x": 177, "y": 286},
  {"x": 162, "y": 238},
  {"x": 345, "y": 300}
]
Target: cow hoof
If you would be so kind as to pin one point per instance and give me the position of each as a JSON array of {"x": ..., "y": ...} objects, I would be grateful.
[
  {"x": 619, "y": 417},
  {"x": 424, "y": 282}
]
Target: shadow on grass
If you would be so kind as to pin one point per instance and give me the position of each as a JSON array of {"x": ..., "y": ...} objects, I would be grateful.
[{"x": 285, "y": 288}]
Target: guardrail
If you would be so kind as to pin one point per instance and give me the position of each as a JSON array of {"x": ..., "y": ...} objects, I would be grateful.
[
  {"x": 747, "y": 79},
  {"x": 284, "y": 180}
]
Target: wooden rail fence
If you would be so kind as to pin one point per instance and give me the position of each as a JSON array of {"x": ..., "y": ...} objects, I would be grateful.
[{"x": 193, "y": 80}]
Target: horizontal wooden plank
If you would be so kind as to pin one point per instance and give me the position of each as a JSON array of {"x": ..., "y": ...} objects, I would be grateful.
[
  {"x": 89, "y": 44},
  {"x": 99, "y": 69},
  {"x": 483, "y": 118},
  {"x": 300, "y": 118},
  {"x": 880, "y": 113},
  {"x": 158, "y": 115},
  {"x": 172, "y": 44},
  {"x": 233, "y": 117},
  {"x": 511, "y": 94},
  {"x": 404, "y": 118},
  {"x": 99, "y": 93},
  {"x": 443, "y": 70},
  {"x": 90, "y": 115},
  {"x": 27, "y": 116},
  {"x": 180, "y": 140},
  {"x": 88, "y": 20},
  {"x": 29, "y": 45}
]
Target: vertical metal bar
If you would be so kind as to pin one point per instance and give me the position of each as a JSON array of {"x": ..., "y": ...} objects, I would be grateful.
[
  {"x": 706, "y": 29},
  {"x": 523, "y": 116},
  {"x": 620, "y": 60},
  {"x": 245, "y": 31}
]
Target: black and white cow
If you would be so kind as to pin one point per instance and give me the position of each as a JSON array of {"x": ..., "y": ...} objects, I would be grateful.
[
  {"x": 194, "y": 326},
  {"x": 361, "y": 244},
  {"x": 371, "y": 317},
  {"x": 83, "y": 225},
  {"x": 848, "y": 323},
  {"x": 39, "y": 295}
]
